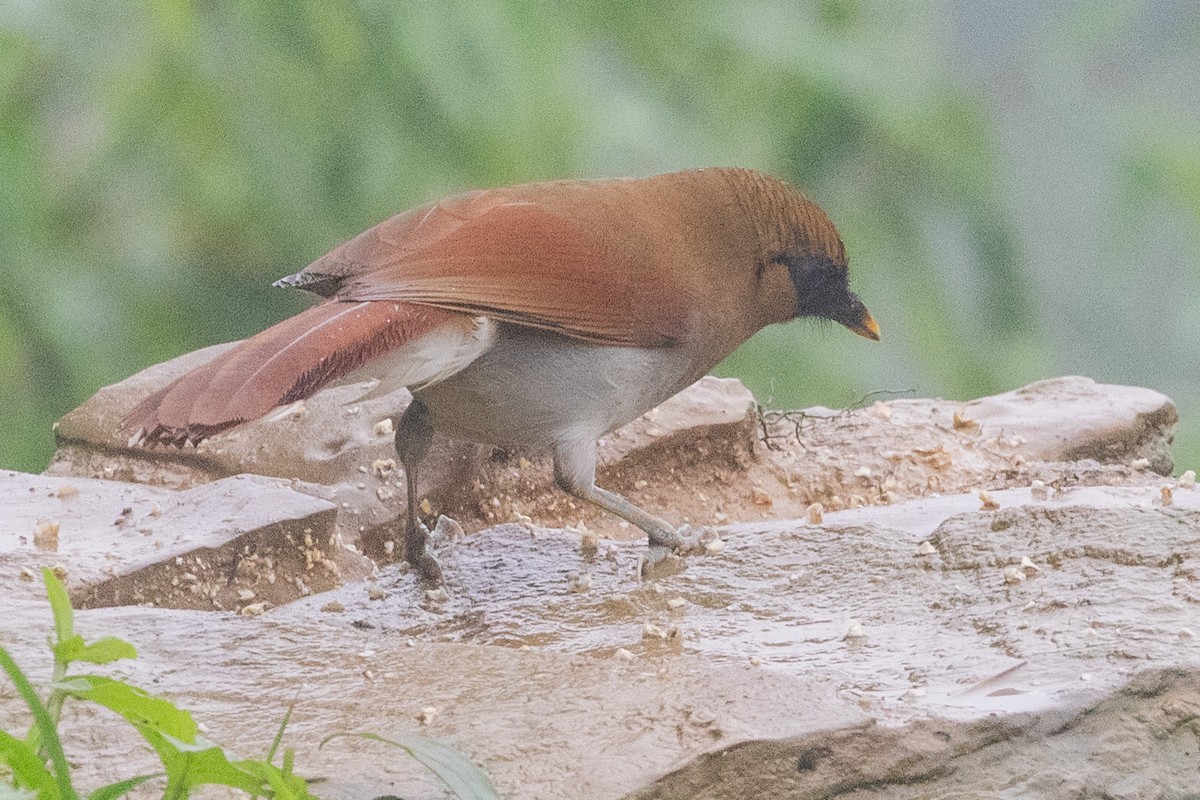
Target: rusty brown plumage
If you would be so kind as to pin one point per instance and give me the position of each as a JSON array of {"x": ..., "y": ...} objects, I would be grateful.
[
  {"x": 699, "y": 259},
  {"x": 287, "y": 362}
]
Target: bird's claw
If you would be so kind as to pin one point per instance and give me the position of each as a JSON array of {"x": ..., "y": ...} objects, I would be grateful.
[
  {"x": 430, "y": 569},
  {"x": 417, "y": 554},
  {"x": 659, "y": 562},
  {"x": 695, "y": 539},
  {"x": 685, "y": 540}
]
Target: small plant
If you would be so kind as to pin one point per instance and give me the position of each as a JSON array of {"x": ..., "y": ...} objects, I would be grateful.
[{"x": 36, "y": 766}]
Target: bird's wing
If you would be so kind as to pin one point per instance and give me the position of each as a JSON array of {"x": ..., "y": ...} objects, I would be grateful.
[
  {"x": 288, "y": 362},
  {"x": 495, "y": 254}
]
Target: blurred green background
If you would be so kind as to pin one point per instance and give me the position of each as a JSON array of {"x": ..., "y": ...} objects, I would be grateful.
[{"x": 1018, "y": 183}]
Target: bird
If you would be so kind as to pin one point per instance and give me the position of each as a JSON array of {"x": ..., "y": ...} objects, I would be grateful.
[{"x": 535, "y": 317}]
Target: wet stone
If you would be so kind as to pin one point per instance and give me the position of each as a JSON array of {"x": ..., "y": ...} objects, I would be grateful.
[{"x": 219, "y": 546}]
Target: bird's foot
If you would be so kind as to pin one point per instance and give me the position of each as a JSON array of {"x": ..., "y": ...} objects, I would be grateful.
[
  {"x": 682, "y": 541},
  {"x": 696, "y": 539},
  {"x": 416, "y": 553}
]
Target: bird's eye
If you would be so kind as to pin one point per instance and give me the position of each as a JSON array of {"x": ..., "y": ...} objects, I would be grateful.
[{"x": 761, "y": 266}]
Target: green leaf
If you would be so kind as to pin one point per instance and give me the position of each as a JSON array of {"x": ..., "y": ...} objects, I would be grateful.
[
  {"x": 60, "y": 605},
  {"x": 43, "y": 724},
  {"x": 101, "y": 651},
  {"x": 135, "y": 705},
  {"x": 283, "y": 785},
  {"x": 200, "y": 762},
  {"x": 287, "y": 717},
  {"x": 467, "y": 781},
  {"x": 28, "y": 769},
  {"x": 114, "y": 790}
]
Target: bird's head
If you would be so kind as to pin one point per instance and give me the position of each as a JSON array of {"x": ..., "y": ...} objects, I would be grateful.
[{"x": 798, "y": 257}]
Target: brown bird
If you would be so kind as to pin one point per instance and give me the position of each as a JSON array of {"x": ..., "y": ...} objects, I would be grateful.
[{"x": 539, "y": 316}]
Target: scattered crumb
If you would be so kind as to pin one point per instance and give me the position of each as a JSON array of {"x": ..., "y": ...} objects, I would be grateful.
[
  {"x": 986, "y": 501},
  {"x": 714, "y": 546},
  {"x": 622, "y": 654},
  {"x": 383, "y": 467},
  {"x": 375, "y": 593},
  {"x": 425, "y": 506},
  {"x": 26, "y": 574},
  {"x": 67, "y": 492},
  {"x": 589, "y": 541},
  {"x": 254, "y": 609},
  {"x": 1166, "y": 496},
  {"x": 862, "y": 472},
  {"x": 1038, "y": 490},
  {"x": 855, "y": 630},
  {"x": 1140, "y": 464},
  {"x": 581, "y": 583},
  {"x": 427, "y": 715},
  {"x": 1028, "y": 567},
  {"x": 1013, "y": 574},
  {"x": 652, "y": 631},
  {"x": 384, "y": 427},
  {"x": 676, "y": 602},
  {"x": 1188, "y": 480},
  {"x": 385, "y": 493},
  {"x": 333, "y": 607},
  {"x": 926, "y": 549},
  {"x": 45, "y": 536},
  {"x": 438, "y": 595},
  {"x": 962, "y": 423}
]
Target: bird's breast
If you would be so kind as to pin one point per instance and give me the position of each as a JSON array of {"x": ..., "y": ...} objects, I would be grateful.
[{"x": 533, "y": 388}]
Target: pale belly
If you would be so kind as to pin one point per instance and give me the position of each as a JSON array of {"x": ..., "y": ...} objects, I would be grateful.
[{"x": 534, "y": 388}]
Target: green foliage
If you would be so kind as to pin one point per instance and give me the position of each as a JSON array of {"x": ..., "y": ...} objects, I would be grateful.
[{"x": 189, "y": 760}]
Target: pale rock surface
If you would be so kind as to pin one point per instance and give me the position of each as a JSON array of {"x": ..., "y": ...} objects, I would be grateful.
[
  {"x": 1074, "y": 418},
  {"x": 992, "y": 644},
  {"x": 219, "y": 546},
  {"x": 715, "y": 460},
  {"x": 754, "y": 689}
]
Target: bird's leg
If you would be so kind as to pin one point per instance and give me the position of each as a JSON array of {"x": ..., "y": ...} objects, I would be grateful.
[
  {"x": 575, "y": 473},
  {"x": 414, "y": 434}
]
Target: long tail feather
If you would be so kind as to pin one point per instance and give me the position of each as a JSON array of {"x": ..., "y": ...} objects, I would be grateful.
[{"x": 287, "y": 362}]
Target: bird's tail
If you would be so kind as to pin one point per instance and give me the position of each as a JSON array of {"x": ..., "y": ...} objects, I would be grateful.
[{"x": 286, "y": 362}]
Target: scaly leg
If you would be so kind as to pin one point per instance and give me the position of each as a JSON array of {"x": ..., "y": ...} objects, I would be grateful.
[
  {"x": 414, "y": 434},
  {"x": 575, "y": 473}
]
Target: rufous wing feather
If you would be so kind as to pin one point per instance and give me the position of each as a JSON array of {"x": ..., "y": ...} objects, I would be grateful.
[
  {"x": 286, "y": 362},
  {"x": 491, "y": 253}
]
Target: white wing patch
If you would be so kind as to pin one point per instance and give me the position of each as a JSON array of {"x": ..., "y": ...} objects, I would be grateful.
[{"x": 444, "y": 351}]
